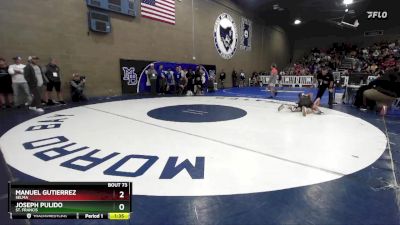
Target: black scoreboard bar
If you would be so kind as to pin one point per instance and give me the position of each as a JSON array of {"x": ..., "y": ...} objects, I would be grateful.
[{"x": 62, "y": 200}]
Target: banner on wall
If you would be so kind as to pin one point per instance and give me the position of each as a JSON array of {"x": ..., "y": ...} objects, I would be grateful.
[
  {"x": 225, "y": 36},
  {"x": 134, "y": 79},
  {"x": 130, "y": 72},
  {"x": 211, "y": 69},
  {"x": 246, "y": 34}
]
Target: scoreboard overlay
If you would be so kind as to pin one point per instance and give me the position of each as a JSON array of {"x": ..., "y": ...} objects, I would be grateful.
[{"x": 66, "y": 200}]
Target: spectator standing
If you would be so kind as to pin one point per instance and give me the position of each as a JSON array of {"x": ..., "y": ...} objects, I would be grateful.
[
  {"x": 254, "y": 79},
  {"x": 258, "y": 79},
  {"x": 5, "y": 85},
  {"x": 20, "y": 86},
  {"x": 183, "y": 82},
  {"x": 35, "y": 78},
  {"x": 234, "y": 78},
  {"x": 178, "y": 73},
  {"x": 190, "y": 77},
  {"x": 211, "y": 81},
  {"x": 162, "y": 82},
  {"x": 273, "y": 80},
  {"x": 197, "y": 81},
  {"x": 171, "y": 82},
  {"x": 203, "y": 81},
  {"x": 222, "y": 77},
  {"x": 54, "y": 77},
  {"x": 151, "y": 83},
  {"x": 183, "y": 73},
  {"x": 242, "y": 79}
]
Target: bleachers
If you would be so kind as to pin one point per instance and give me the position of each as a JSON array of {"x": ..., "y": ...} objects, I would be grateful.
[{"x": 347, "y": 64}]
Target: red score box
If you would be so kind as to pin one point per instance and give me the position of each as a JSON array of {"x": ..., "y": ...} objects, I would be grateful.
[
  {"x": 80, "y": 195},
  {"x": 69, "y": 192}
]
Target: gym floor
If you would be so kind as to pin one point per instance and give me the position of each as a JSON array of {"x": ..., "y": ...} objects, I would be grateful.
[{"x": 260, "y": 166}]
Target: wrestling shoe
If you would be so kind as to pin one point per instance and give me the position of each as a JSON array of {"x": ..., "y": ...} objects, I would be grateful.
[
  {"x": 319, "y": 112},
  {"x": 40, "y": 110}
]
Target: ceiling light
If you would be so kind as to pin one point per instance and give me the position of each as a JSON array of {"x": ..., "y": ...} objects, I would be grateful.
[
  {"x": 347, "y": 2},
  {"x": 297, "y": 22}
]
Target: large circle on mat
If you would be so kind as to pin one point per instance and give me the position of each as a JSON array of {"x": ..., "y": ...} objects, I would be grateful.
[
  {"x": 197, "y": 113},
  {"x": 265, "y": 150}
]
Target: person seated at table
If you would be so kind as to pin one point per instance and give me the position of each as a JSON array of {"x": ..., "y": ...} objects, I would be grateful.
[
  {"x": 383, "y": 91},
  {"x": 358, "y": 99}
]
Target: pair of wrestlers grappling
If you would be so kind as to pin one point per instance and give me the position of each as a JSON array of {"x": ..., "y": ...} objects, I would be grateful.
[{"x": 305, "y": 103}]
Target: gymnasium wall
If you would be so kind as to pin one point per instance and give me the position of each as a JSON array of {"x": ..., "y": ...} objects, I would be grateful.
[{"x": 58, "y": 28}]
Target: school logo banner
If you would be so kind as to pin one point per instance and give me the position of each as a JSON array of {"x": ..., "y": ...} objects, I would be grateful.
[
  {"x": 225, "y": 36},
  {"x": 130, "y": 71},
  {"x": 246, "y": 34}
]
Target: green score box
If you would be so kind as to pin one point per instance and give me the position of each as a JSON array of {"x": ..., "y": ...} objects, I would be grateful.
[{"x": 70, "y": 206}]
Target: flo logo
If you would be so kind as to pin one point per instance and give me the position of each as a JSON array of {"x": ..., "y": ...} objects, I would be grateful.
[
  {"x": 130, "y": 75},
  {"x": 377, "y": 14}
]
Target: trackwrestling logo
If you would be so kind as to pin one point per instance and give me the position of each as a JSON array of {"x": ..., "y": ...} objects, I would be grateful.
[{"x": 377, "y": 14}]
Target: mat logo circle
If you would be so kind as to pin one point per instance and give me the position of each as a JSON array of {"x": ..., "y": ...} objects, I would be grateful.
[{"x": 225, "y": 36}]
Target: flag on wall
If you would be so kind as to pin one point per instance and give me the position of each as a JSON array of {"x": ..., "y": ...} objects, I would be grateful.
[
  {"x": 246, "y": 34},
  {"x": 160, "y": 10}
]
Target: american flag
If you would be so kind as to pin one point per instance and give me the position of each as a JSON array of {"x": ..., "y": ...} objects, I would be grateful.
[{"x": 160, "y": 10}]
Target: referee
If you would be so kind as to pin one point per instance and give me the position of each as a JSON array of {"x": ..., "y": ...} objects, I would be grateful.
[{"x": 325, "y": 81}]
